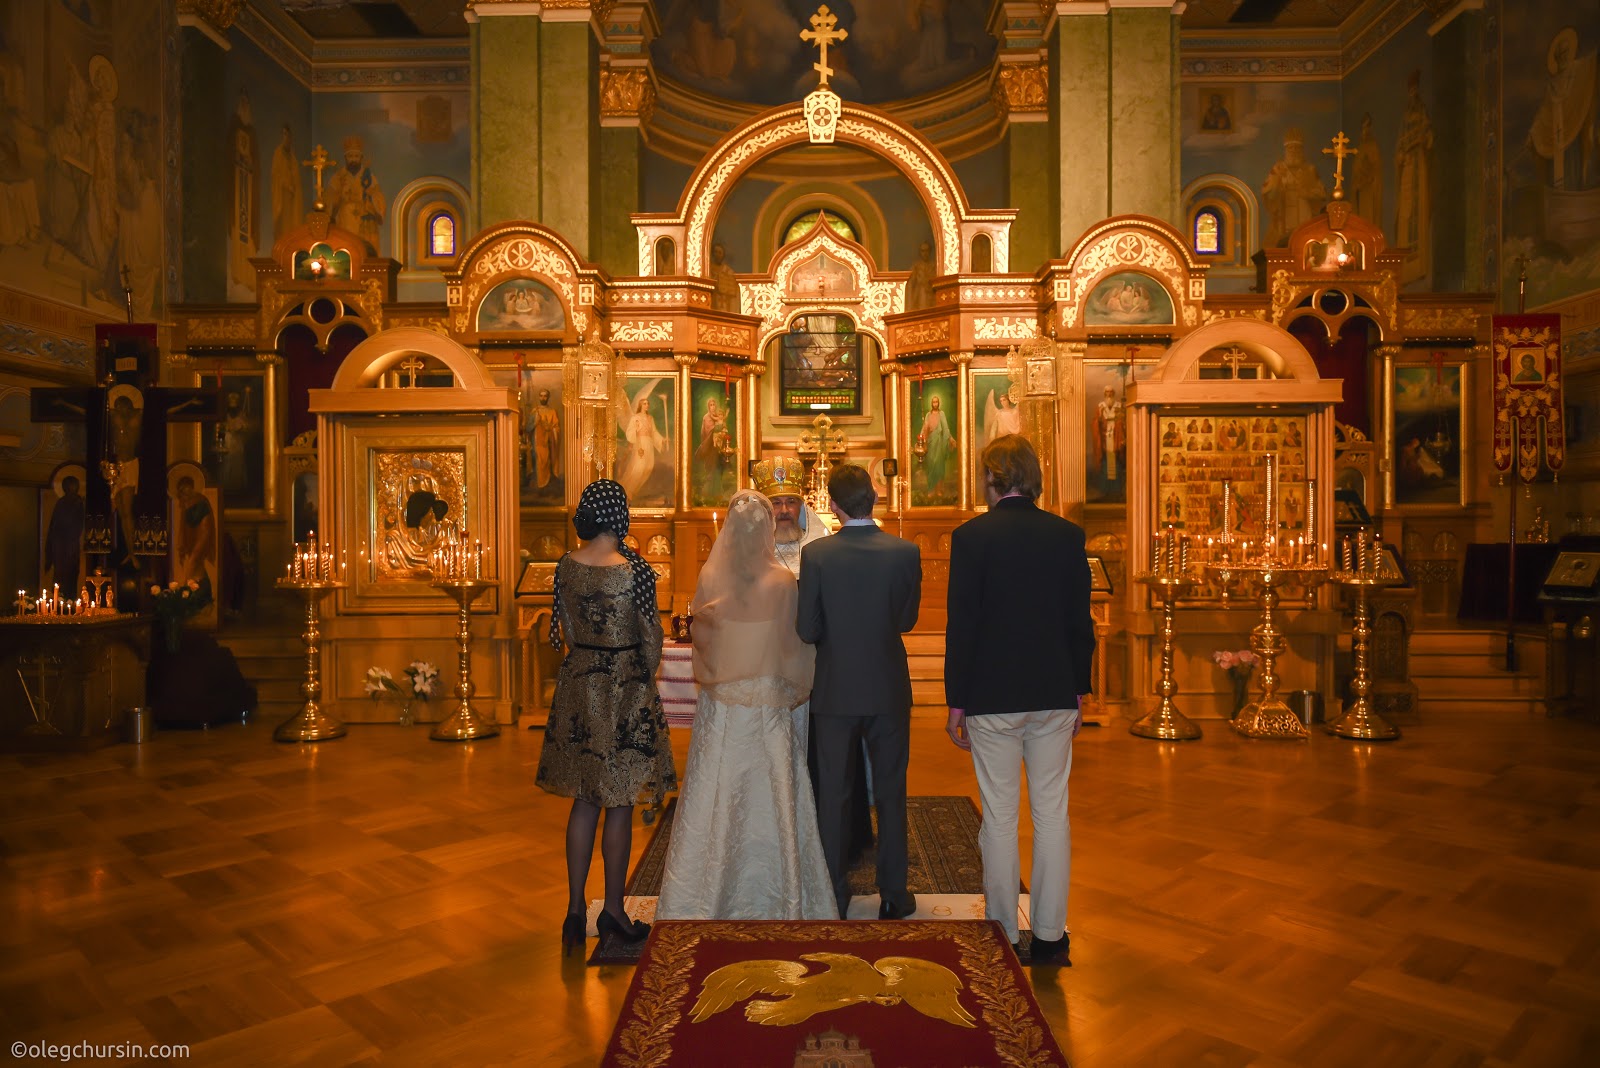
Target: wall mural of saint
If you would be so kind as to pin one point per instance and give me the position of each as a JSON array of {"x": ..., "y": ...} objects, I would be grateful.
[
  {"x": 1129, "y": 298},
  {"x": 521, "y": 305}
]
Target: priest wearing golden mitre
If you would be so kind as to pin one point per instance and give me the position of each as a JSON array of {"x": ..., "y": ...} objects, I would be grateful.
[
  {"x": 781, "y": 479},
  {"x": 795, "y": 523}
]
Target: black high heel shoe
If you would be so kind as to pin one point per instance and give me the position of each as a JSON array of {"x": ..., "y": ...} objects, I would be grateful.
[
  {"x": 573, "y": 930},
  {"x": 636, "y": 931}
]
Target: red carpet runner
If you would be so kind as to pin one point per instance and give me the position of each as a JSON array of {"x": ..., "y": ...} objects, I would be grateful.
[{"x": 942, "y": 994}]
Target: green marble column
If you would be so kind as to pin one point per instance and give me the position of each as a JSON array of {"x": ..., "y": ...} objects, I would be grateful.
[
  {"x": 1028, "y": 150},
  {"x": 1144, "y": 175},
  {"x": 506, "y": 146},
  {"x": 617, "y": 242},
  {"x": 1457, "y": 110},
  {"x": 1114, "y": 121},
  {"x": 1080, "y": 124},
  {"x": 569, "y": 133},
  {"x": 207, "y": 180}
]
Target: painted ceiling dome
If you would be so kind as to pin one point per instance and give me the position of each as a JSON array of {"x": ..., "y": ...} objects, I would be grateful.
[{"x": 751, "y": 50}]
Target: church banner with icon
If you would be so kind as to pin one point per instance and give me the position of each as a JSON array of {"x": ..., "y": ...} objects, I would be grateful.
[{"x": 1528, "y": 390}]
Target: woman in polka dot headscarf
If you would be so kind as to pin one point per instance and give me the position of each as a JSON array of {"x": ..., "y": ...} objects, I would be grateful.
[{"x": 606, "y": 740}]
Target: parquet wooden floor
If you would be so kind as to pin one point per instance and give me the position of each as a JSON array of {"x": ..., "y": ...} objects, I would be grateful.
[{"x": 384, "y": 898}]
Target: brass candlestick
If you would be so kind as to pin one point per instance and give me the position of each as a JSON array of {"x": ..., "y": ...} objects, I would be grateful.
[
  {"x": 1165, "y": 722},
  {"x": 464, "y": 725},
  {"x": 1364, "y": 571},
  {"x": 311, "y": 723},
  {"x": 1269, "y": 717}
]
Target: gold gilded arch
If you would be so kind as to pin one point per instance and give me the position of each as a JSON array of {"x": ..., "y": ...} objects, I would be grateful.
[
  {"x": 787, "y": 126},
  {"x": 1132, "y": 242},
  {"x": 776, "y": 302},
  {"x": 521, "y": 250}
]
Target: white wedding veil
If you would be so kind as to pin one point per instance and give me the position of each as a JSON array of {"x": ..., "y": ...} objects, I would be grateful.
[{"x": 744, "y": 605}]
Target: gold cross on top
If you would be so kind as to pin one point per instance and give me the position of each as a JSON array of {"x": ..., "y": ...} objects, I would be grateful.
[
  {"x": 411, "y": 365},
  {"x": 1233, "y": 358},
  {"x": 1341, "y": 148},
  {"x": 319, "y": 162},
  {"x": 822, "y": 34}
]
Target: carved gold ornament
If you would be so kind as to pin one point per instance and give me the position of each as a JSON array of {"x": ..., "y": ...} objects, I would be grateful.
[
  {"x": 627, "y": 93},
  {"x": 822, "y": 115},
  {"x": 1004, "y": 327},
  {"x": 1022, "y": 88},
  {"x": 218, "y": 14},
  {"x": 419, "y": 495},
  {"x": 933, "y": 332},
  {"x": 931, "y": 989},
  {"x": 1439, "y": 322},
  {"x": 220, "y": 328},
  {"x": 636, "y": 331},
  {"x": 720, "y": 336}
]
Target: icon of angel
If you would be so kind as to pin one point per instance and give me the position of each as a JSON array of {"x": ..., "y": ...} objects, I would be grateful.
[
  {"x": 649, "y": 443},
  {"x": 999, "y": 415}
]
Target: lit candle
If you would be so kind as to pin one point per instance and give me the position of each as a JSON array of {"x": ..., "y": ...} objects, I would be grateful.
[
  {"x": 1311, "y": 511},
  {"x": 1227, "y": 508},
  {"x": 715, "y": 530},
  {"x": 1183, "y": 554}
]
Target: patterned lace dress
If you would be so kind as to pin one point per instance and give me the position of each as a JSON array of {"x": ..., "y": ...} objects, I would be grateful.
[{"x": 606, "y": 740}]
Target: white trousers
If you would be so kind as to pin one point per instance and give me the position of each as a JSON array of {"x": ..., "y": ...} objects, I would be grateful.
[{"x": 1001, "y": 746}]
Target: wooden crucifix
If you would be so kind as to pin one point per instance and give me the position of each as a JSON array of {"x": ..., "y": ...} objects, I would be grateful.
[
  {"x": 822, "y": 34},
  {"x": 125, "y": 420},
  {"x": 1341, "y": 148}
]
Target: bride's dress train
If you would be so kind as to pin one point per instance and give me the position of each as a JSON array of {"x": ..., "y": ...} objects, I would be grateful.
[{"x": 744, "y": 836}]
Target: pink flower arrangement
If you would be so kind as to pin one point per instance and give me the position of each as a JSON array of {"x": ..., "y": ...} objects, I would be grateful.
[{"x": 1228, "y": 659}]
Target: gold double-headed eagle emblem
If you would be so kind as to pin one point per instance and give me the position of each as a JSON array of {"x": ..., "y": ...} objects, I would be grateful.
[{"x": 930, "y": 988}]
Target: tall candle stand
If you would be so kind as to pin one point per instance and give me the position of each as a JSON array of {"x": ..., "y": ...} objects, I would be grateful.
[
  {"x": 1363, "y": 569},
  {"x": 1278, "y": 562},
  {"x": 458, "y": 573},
  {"x": 1169, "y": 578},
  {"x": 310, "y": 576}
]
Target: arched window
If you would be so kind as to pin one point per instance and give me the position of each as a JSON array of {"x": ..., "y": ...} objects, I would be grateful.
[
  {"x": 982, "y": 254},
  {"x": 1208, "y": 232},
  {"x": 666, "y": 257},
  {"x": 836, "y": 222},
  {"x": 441, "y": 234}
]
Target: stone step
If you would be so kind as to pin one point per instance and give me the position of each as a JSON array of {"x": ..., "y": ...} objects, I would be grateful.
[
  {"x": 1486, "y": 642},
  {"x": 1476, "y": 687}
]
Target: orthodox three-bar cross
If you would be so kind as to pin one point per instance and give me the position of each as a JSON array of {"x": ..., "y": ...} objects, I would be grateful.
[
  {"x": 822, "y": 34},
  {"x": 319, "y": 162},
  {"x": 1341, "y": 148}
]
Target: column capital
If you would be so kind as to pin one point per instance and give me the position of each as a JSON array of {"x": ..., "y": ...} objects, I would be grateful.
[
  {"x": 210, "y": 17},
  {"x": 1022, "y": 89},
  {"x": 685, "y": 359},
  {"x": 627, "y": 96},
  {"x": 961, "y": 359}
]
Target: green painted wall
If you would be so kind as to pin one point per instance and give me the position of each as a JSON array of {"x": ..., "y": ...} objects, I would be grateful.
[
  {"x": 505, "y": 94},
  {"x": 569, "y": 174},
  {"x": 1144, "y": 162}
]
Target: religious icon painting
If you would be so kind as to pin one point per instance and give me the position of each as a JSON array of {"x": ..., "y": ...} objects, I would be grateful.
[
  {"x": 1105, "y": 421},
  {"x": 1427, "y": 435},
  {"x": 304, "y": 506},
  {"x": 195, "y": 541},
  {"x": 541, "y": 444},
  {"x": 819, "y": 366},
  {"x": 322, "y": 261},
  {"x": 521, "y": 305},
  {"x": 234, "y": 449},
  {"x": 419, "y": 496},
  {"x": 995, "y": 414},
  {"x": 1292, "y": 497},
  {"x": 646, "y": 461},
  {"x": 62, "y": 514},
  {"x": 935, "y": 449},
  {"x": 1129, "y": 298},
  {"x": 714, "y": 455}
]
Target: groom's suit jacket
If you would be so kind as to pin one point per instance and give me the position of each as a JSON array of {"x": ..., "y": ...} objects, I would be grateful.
[{"x": 859, "y": 591}]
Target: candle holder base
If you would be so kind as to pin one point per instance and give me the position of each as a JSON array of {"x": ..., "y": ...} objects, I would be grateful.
[
  {"x": 462, "y": 726},
  {"x": 1360, "y": 722},
  {"x": 1166, "y": 724},
  {"x": 310, "y": 724},
  {"x": 1269, "y": 719}
]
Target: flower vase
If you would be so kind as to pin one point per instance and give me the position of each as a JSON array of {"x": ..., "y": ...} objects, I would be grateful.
[
  {"x": 406, "y": 718},
  {"x": 1241, "y": 689}
]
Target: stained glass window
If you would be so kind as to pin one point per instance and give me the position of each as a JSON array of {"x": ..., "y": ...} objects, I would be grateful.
[
  {"x": 804, "y": 223},
  {"x": 442, "y": 234},
  {"x": 1207, "y": 233}
]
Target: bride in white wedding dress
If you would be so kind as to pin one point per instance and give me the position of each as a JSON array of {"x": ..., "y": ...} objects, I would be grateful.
[{"x": 744, "y": 842}]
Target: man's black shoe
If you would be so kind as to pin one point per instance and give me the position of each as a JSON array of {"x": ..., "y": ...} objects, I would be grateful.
[
  {"x": 1046, "y": 951},
  {"x": 892, "y": 911}
]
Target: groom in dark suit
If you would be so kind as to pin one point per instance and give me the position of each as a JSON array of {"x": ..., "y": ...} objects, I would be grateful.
[{"x": 858, "y": 593}]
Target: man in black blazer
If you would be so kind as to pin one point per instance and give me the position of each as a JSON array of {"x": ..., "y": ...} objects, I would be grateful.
[
  {"x": 858, "y": 593},
  {"x": 1018, "y": 647}
]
